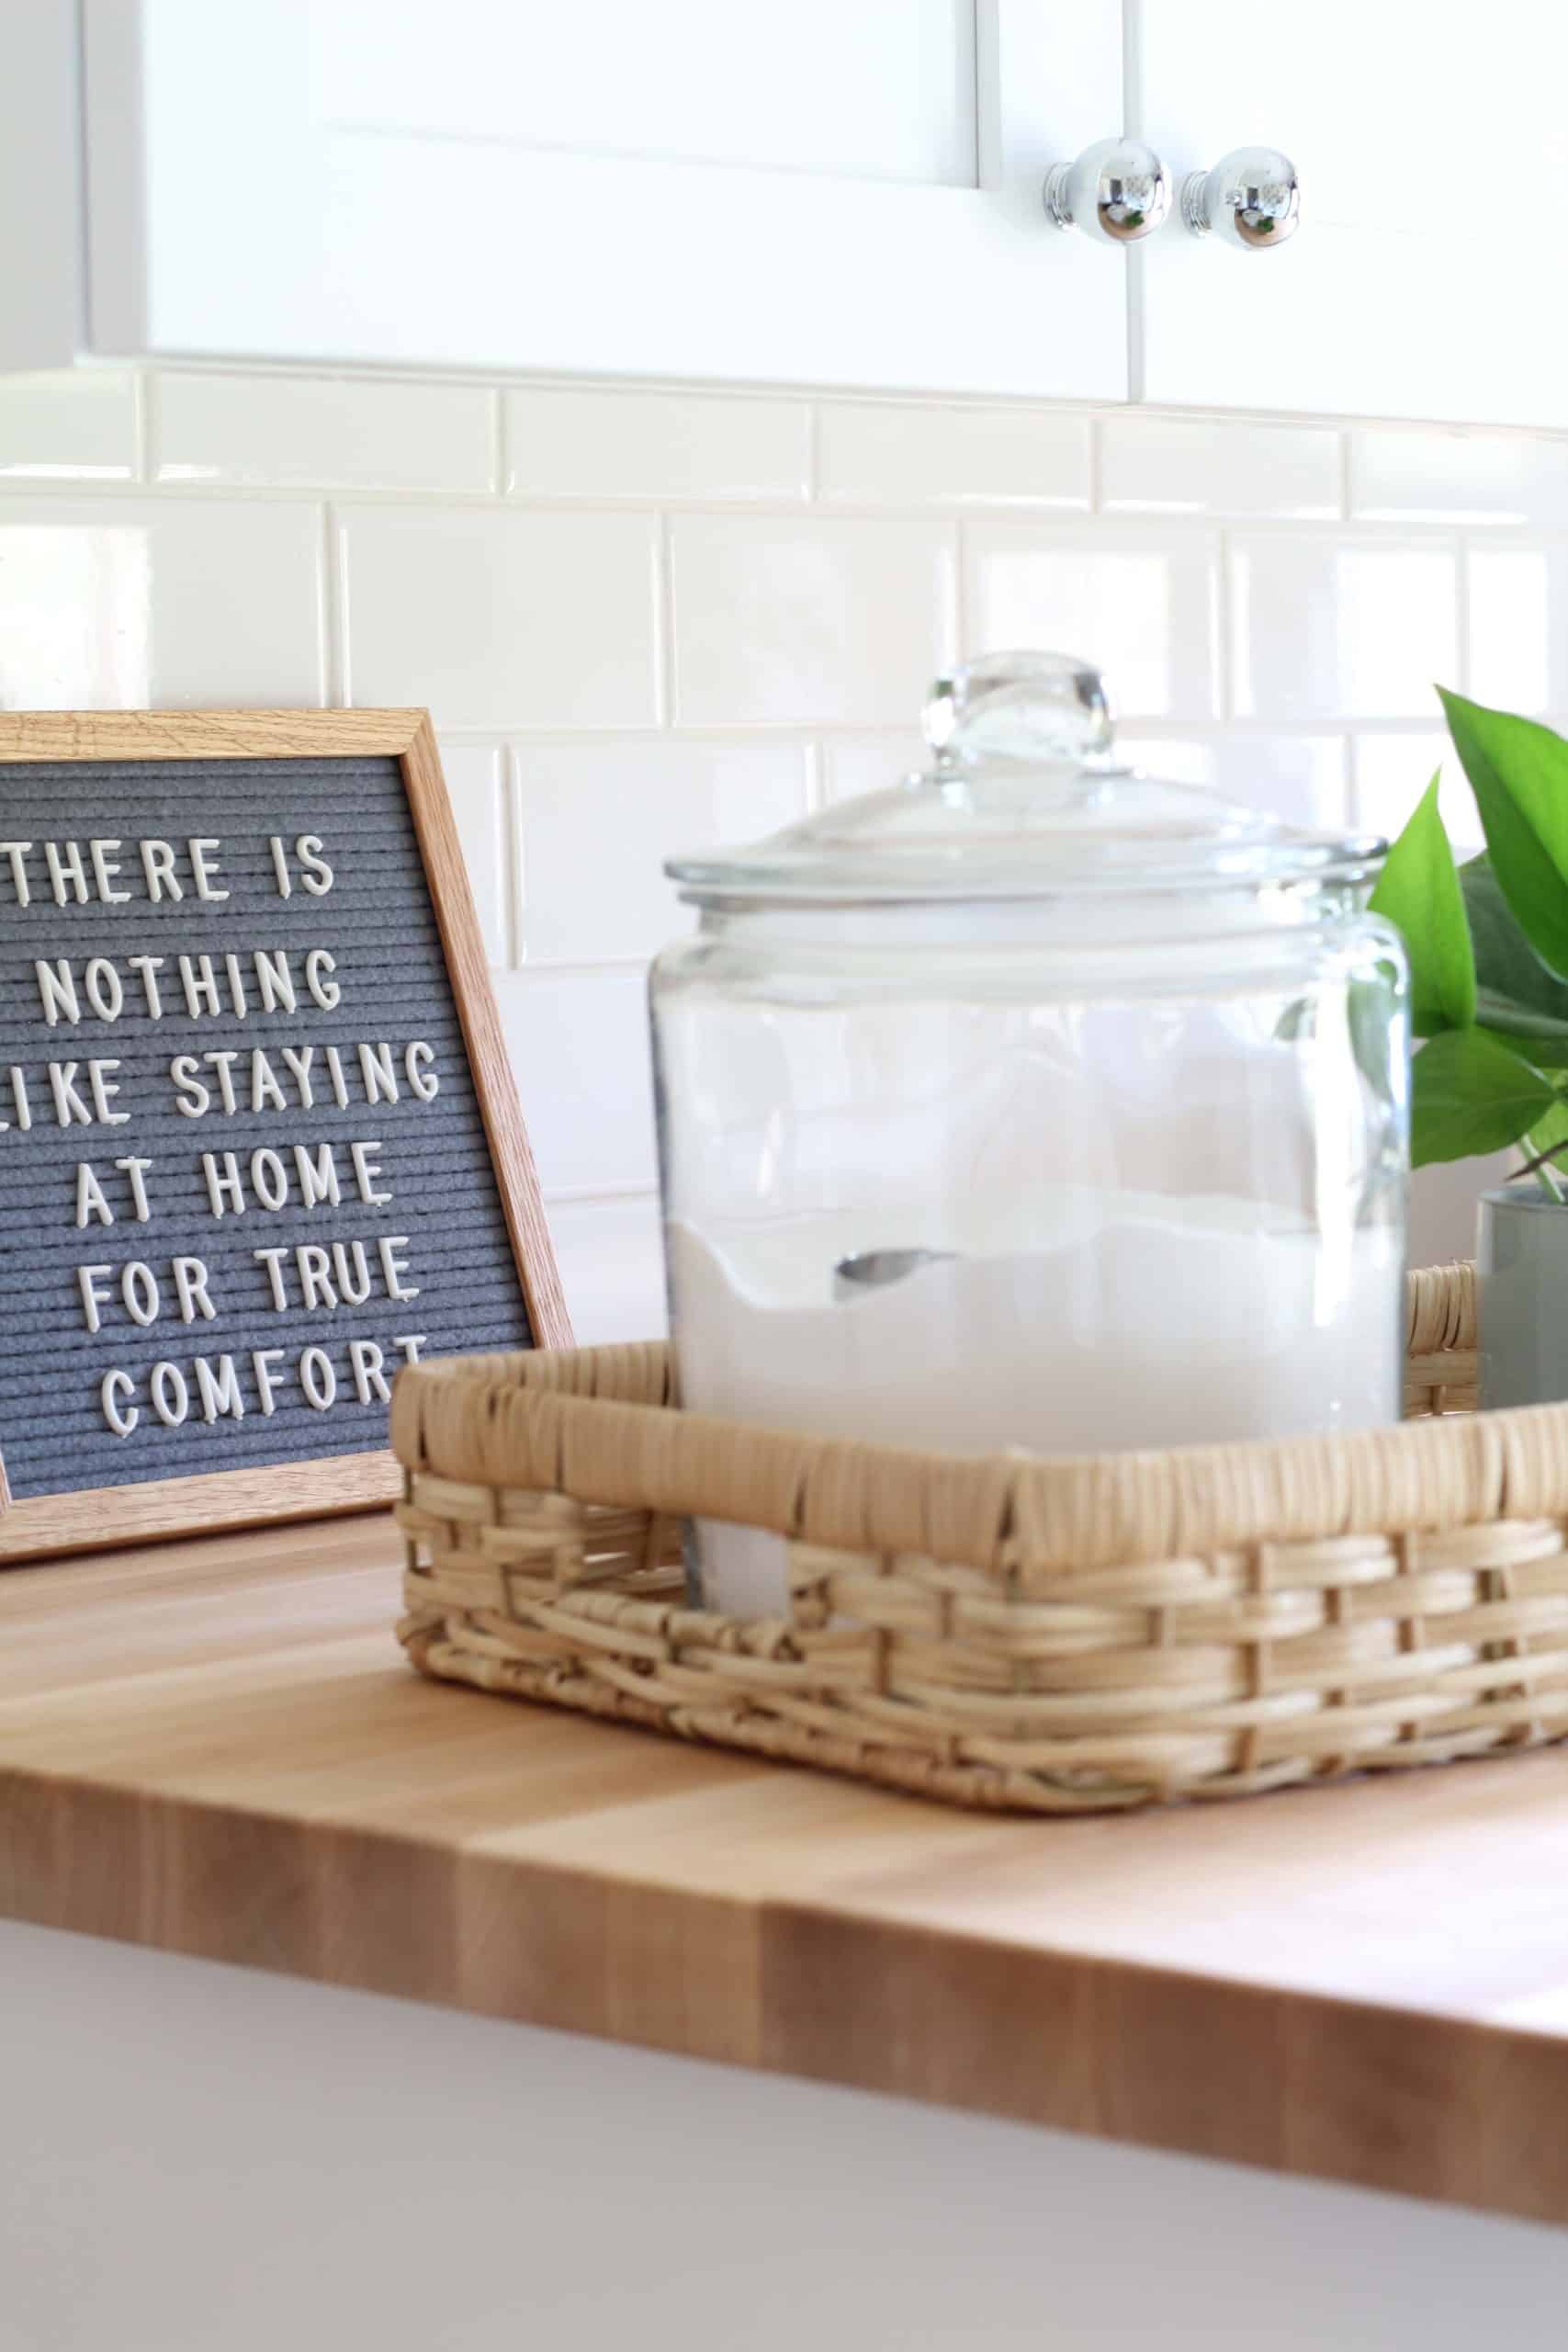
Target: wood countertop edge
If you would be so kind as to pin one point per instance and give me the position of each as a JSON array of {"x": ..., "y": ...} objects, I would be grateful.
[
  {"x": 1377, "y": 2096},
  {"x": 214, "y": 1749}
]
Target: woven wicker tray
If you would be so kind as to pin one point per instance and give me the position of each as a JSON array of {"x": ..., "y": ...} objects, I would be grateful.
[{"x": 1046, "y": 1636}]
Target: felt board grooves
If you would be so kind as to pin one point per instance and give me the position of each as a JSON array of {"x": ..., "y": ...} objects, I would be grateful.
[{"x": 441, "y": 1199}]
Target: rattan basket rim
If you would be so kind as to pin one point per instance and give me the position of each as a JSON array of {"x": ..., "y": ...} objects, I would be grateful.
[{"x": 603, "y": 1424}]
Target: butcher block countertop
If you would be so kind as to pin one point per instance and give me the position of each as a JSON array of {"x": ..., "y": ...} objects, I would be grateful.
[{"x": 215, "y": 1748}]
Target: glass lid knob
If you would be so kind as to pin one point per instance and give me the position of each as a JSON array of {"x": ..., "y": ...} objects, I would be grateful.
[{"x": 1044, "y": 708}]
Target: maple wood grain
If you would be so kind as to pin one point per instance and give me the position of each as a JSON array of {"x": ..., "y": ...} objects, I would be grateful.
[{"x": 214, "y": 1747}]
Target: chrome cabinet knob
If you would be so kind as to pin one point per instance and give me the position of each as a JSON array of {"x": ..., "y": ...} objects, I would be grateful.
[
  {"x": 1251, "y": 198},
  {"x": 1116, "y": 192}
]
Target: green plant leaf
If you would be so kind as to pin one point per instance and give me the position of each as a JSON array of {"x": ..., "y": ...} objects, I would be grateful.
[
  {"x": 1472, "y": 1093},
  {"x": 1518, "y": 772},
  {"x": 1515, "y": 992},
  {"x": 1418, "y": 891}
]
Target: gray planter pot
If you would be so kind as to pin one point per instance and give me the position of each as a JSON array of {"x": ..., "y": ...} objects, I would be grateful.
[{"x": 1521, "y": 1263}]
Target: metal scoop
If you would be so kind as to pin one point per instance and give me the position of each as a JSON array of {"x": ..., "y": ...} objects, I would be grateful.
[{"x": 874, "y": 1269}]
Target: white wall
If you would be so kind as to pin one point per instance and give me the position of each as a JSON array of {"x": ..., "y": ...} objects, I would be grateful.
[{"x": 645, "y": 618}]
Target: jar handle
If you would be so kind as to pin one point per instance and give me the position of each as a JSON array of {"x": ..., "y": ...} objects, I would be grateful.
[{"x": 1041, "y": 707}]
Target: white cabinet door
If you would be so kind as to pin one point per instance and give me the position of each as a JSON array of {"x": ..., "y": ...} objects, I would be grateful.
[
  {"x": 844, "y": 191},
  {"x": 1423, "y": 280}
]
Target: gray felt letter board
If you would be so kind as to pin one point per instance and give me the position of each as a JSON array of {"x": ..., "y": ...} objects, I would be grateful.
[{"x": 258, "y": 1144}]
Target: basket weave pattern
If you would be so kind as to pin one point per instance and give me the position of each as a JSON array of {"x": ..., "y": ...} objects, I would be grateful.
[{"x": 1038, "y": 1635}]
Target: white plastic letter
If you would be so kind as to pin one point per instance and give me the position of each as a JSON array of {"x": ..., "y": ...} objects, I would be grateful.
[
  {"x": 91, "y": 1200},
  {"x": 204, "y": 868},
  {"x": 316, "y": 873},
  {"x": 158, "y": 865},
  {"x": 394, "y": 1268},
  {"x": 365, "y": 1170},
  {"x": 116, "y": 1386},
  {"x": 191, "y": 1279},
  {"x": 171, "y": 1397},
  {"x": 104, "y": 1092},
  {"x": 105, "y": 868},
  {"x": 272, "y": 1261},
  {"x": 87, "y": 1279},
  {"x": 262, "y": 1362},
  {"x": 419, "y": 1067},
  {"x": 220, "y": 1391},
  {"x": 370, "y": 1380},
  {"x": 225, "y": 1192},
  {"x": 139, "y": 1289}
]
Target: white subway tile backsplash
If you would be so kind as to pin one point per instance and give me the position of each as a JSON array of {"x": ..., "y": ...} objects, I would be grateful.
[
  {"x": 1179, "y": 465},
  {"x": 850, "y": 765},
  {"x": 650, "y": 618},
  {"x": 111, "y": 603},
  {"x": 500, "y": 621},
  {"x": 79, "y": 426},
  {"x": 597, "y": 822},
  {"x": 321, "y": 432},
  {"x": 1324, "y": 628},
  {"x": 913, "y": 454},
  {"x": 578, "y": 1042},
  {"x": 475, "y": 786},
  {"x": 820, "y": 622},
  {"x": 1457, "y": 477},
  {"x": 606, "y": 445},
  {"x": 1140, "y": 604},
  {"x": 1393, "y": 771},
  {"x": 1303, "y": 778},
  {"x": 612, "y": 1267},
  {"x": 1300, "y": 778},
  {"x": 1518, "y": 626}
]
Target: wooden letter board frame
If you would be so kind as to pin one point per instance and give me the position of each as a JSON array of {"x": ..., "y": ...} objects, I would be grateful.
[{"x": 94, "y": 1518}]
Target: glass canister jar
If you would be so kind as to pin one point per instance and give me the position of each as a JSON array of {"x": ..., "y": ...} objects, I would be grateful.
[{"x": 1034, "y": 1103}]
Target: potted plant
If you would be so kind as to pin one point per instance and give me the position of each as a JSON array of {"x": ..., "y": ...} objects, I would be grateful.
[{"x": 1488, "y": 946}]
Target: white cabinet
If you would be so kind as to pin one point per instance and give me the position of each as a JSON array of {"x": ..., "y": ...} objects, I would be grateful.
[
  {"x": 792, "y": 191},
  {"x": 843, "y": 191},
  {"x": 1433, "y": 168}
]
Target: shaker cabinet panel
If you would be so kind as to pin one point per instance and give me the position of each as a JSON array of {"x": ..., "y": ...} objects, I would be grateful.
[
  {"x": 833, "y": 192},
  {"x": 863, "y": 89},
  {"x": 1434, "y": 175},
  {"x": 837, "y": 191}
]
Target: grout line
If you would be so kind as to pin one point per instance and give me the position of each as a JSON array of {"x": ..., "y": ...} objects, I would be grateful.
[
  {"x": 1353, "y": 782},
  {"x": 142, "y": 401},
  {"x": 666, "y": 681},
  {"x": 1347, "y": 780},
  {"x": 750, "y": 389},
  {"x": 580, "y": 967},
  {"x": 1044, "y": 514},
  {"x": 1180, "y": 726},
  {"x": 514, "y": 901},
  {"x": 960, "y": 615},
  {"x": 1125, "y": 525},
  {"x": 1223, "y": 607},
  {"x": 573, "y": 1196},
  {"x": 1462, "y": 649},
  {"x": 335, "y": 681},
  {"x": 499, "y": 453}
]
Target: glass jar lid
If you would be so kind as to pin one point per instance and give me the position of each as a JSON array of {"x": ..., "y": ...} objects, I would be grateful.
[{"x": 1025, "y": 798}]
